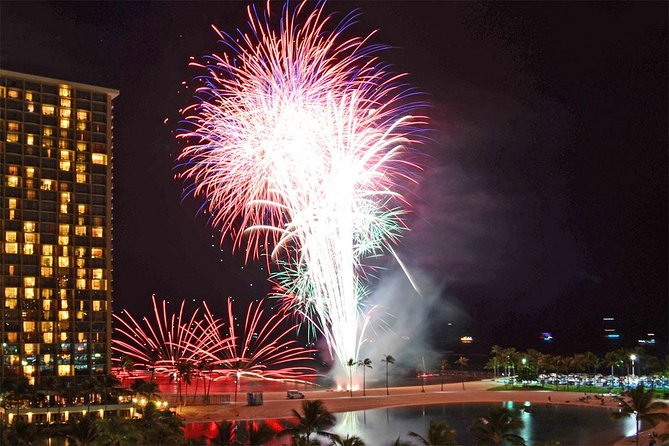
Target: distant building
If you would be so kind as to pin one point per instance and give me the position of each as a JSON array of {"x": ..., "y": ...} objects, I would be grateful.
[
  {"x": 56, "y": 227},
  {"x": 611, "y": 332}
]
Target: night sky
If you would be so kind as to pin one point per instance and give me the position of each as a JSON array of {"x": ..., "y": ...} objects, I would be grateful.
[{"x": 543, "y": 203}]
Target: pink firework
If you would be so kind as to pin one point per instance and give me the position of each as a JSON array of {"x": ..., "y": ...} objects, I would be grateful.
[{"x": 298, "y": 145}]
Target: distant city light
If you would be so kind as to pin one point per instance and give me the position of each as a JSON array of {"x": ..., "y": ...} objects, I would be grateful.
[
  {"x": 613, "y": 335},
  {"x": 466, "y": 339},
  {"x": 547, "y": 337}
]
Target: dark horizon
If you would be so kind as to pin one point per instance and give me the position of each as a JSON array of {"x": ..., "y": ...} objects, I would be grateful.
[{"x": 543, "y": 205}]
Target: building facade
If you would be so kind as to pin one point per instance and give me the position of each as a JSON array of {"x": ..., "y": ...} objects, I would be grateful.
[{"x": 56, "y": 228}]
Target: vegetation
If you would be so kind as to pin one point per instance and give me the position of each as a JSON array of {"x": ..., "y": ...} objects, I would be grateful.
[
  {"x": 315, "y": 419},
  {"x": 462, "y": 362},
  {"x": 438, "y": 434},
  {"x": 497, "y": 427},
  {"x": 388, "y": 359},
  {"x": 366, "y": 363},
  {"x": 641, "y": 404}
]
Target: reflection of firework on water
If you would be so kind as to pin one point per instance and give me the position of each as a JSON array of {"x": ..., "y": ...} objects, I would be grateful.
[
  {"x": 261, "y": 349},
  {"x": 297, "y": 143}
]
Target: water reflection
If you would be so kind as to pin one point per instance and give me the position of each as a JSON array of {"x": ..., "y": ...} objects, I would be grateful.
[{"x": 577, "y": 425}]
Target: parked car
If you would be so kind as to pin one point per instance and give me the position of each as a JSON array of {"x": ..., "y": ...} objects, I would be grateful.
[{"x": 294, "y": 395}]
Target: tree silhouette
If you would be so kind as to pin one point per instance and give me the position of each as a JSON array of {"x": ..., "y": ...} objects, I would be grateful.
[
  {"x": 365, "y": 363},
  {"x": 388, "y": 359},
  {"x": 438, "y": 434},
  {"x": 642, "y": 407},
  {"x": 462, "y": 362}
]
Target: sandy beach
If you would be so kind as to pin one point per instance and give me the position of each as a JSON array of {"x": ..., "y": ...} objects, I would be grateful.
[{"x": 277, "y": 406}]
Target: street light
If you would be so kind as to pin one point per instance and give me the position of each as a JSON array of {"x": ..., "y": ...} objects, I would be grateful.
[{"x": 633, "y": 358}]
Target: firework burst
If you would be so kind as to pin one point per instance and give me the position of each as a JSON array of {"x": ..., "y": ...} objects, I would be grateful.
[{"x": 297, "y": 144}]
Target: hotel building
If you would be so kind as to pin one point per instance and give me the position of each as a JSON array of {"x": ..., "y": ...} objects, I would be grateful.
[{"x": 56, "y": 227}]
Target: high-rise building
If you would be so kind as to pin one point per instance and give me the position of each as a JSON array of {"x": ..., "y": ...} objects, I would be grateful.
[{"x": 56, "y": 229}]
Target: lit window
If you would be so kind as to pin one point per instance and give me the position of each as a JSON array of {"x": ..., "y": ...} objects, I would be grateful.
[
  {"x": 11, "y": 248},
  {"x": 30, "y": 140},
  {"x": 97, "y": 285},
  {"x": 81, "y": 126},
  {"x": 11, "y": 203},
  {"x": 29, "y": 96},
  {"x": 3, "y": 92},
  {"x": 10, "y": 236},
  {"x": 12, "y": 137},
  {"x": 80, "y": 167},
  {"x": 64, "y": 102},
  {"x": 97, "y": 231},
  {"x": 64, "y": 123},
  {"x": 48, "y": 110},
  {"x": 30, "y": 107},
  {"x": 47, "y": 142},
  {"x": 81, "y": 273},
  {"x": 65, "y": 144},
  {"x": 63, "y": 209},
  {"x": 47, "y": 250},
  {"x": 99, "y": 158},
  {"x": 82, "y": 115},
  {"x": 65, "y": 370},
  {"x": 66, "y": 155},
  {"x": 10, "y": 304},
  {"x": 47, "y": 184},
  {"x": 28, "y": 249},
  {"x": 66, "y": 250},
  {"x": 63, "y": 229},
  {"x": 47, "y": 338},
  {"x": 47, "y": 131},
  {"x": 97, "y": 273},
  {"x": 98, "y": 305},
  {"x": 46, "y": 271},
  {"x": 82, "y": 146},
  {"x": 46, "y": 260},
  {"x": 63, "y": 240},
  {"x": 28, "y": 281},
  {"x": 46, "y": 294},
  {"x": 65, "y": 90},
  {"x": 29, "y": 293},
  {"x": 14, "y": 94},
  {"x": 81, "y": 263},
  {"x": 30, "y": 172},
  {"x": 13, "y": 126},
  {"x": 80, "y": 231},
  {"x": 65, "y": 165},
  {"x": 11, "y": 293},
  {"x": 81, "y": 284},
  {"x": 96, "y": 253},
  {"x": 63, "y": 315},
  {"x": 28, "y": 226},
  {"x": 46, "y": 306},
  {"x": 31, "y": 195},
  {"x": 81, "y": 251},
  {"x": 12, "y": 181},
  {"x": 65, "y": 113},
  {"x": 28, "y": 326},
  {"x": 81, "y": 208},
  {"x": 63, "y": 262},
  {"x": 82, "y": 178},
  {"x": 65, "y": 197}
]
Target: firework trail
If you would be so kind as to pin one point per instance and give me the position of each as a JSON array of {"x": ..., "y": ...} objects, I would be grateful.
[{"x": 297, "y": 145}]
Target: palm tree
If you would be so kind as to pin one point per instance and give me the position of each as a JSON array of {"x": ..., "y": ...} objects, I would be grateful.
[
  {"x": 615, "y": 359},
  {"x": 497, "y": 427},
  {"x": 388, "y": 359},
  {"x": 82, "y": 430},
  {"x": 259, "y": 434},
  {"x": 160, "y": 426},
  {"x": 438, "y": 434},
  {"x": 443, "y": 366},
  {"x": 353, "y": 440},
  {"x": 24, "y": 433},
  {"x": 463, "y": 362},
  {"x": 117, "y": 431},
  {"x": 183, "y": 375},
  {"x": 152, "y": 360},
  {"x": 18, "y": 390},
  {"x": 127, "y": 365},
  {"x": 350, "y": 364},
  {"x": 107, "y": 385},
  {"x": 642, "y": 407},
  {"x": 316, "y": 419},
  {"x": 365, "y": 363},
  {"x": 225, "y": 435}
]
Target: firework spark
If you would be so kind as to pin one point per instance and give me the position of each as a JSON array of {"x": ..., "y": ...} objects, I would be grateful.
[
  {"x": 261, "y": 349},
  {"x": 297, "y": 145}
]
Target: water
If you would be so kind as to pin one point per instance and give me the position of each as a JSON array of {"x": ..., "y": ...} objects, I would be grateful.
[
  {"x": 543, "y": 423},
  {"x": 569, "y": 425}
]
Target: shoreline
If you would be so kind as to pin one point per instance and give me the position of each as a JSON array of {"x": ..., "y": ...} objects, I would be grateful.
[{"x": 277, "y": 406}]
